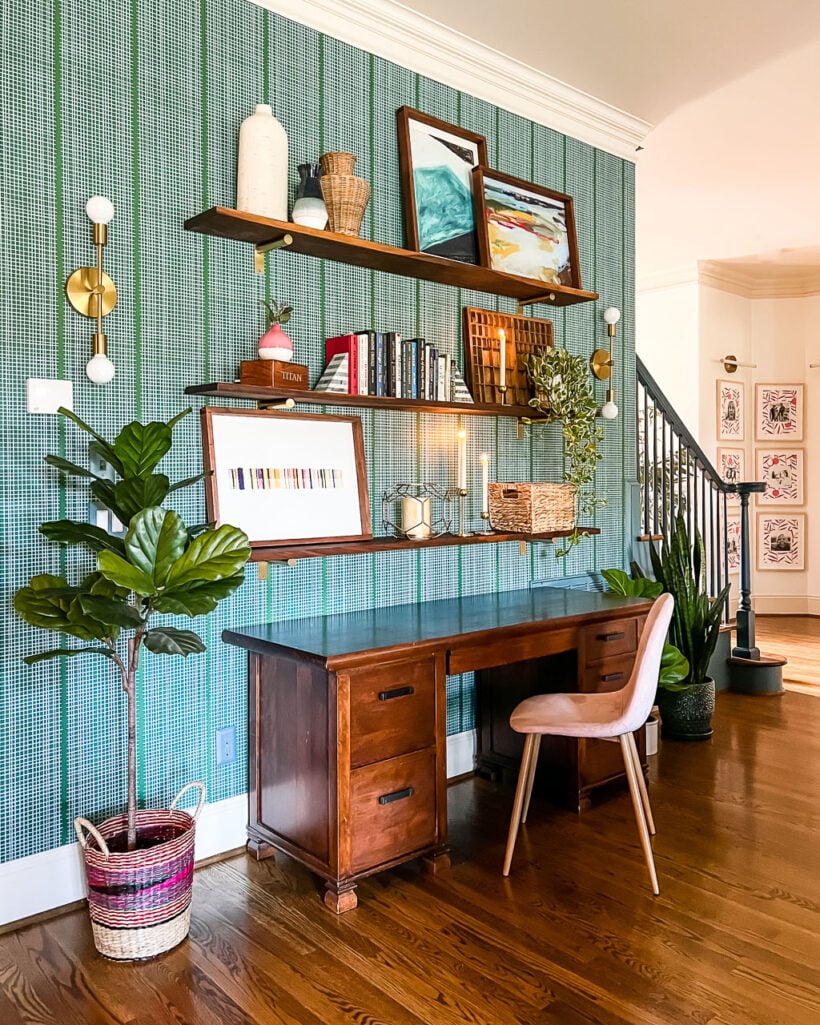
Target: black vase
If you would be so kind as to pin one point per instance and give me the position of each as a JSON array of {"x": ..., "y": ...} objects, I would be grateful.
[
  {"x": 309, "y": 207},
  {"x": 687, "y": 714}
]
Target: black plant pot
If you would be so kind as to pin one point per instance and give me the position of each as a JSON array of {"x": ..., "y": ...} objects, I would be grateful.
[{"x": 687, "y": 714}]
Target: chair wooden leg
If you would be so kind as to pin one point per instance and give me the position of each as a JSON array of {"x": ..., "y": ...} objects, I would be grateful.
[
  {"x": 637, "y": 805},
  {"x": 518, "y": 804},
  {"x": 531, "y": 776},
  {"x": 636, "y": 759}
]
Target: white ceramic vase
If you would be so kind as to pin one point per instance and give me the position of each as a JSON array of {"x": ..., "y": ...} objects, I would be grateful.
[{"x": 262, "y": 173}]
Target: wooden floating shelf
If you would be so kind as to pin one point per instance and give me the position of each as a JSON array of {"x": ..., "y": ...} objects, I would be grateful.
[
  {"x": 258, "y": 393},
  {"x": 285, "y": 553},
  {"x": 222, "y": 222}
]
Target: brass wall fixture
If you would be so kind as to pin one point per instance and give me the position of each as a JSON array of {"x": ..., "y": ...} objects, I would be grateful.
[
  {"x": 602, "y": 363},
  {"x": 92, "y": 293}
]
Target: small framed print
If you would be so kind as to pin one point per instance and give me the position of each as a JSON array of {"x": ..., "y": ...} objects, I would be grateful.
[
  {"x": 782, "y": 470},
  {"x": 781, "y": 541},
  {"x": 732, "y": 468},
  {"x": 779, "y": 412},
  {"x": 731, "y": 410},
  {"x": 733, "y": 543}
]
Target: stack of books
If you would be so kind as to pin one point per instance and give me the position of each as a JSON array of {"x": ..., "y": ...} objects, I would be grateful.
[{"x": 384, "y": 363}]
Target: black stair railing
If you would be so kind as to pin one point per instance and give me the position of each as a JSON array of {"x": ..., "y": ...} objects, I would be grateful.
[{"x": 676, "y": 475}]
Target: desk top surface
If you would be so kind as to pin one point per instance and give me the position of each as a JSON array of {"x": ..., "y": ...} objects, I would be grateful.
[{"x": 422, "y": 623}]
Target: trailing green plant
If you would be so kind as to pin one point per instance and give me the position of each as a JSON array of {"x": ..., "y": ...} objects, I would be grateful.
[
  {"x": 158, "y": 566},
  {"x": 674, "y": 667},
  {"x": 564, "y": 394},
  {"x": 680, "y": 567},
  {"x": 276, "y": 313}
]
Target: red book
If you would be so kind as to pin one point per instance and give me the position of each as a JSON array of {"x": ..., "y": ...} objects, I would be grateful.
[{"x": 345, "y": 344}]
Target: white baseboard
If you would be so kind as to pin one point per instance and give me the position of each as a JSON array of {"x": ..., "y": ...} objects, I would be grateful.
[
  {"x": 785, "y": 605},
  {"x": 41, "y": 882}
]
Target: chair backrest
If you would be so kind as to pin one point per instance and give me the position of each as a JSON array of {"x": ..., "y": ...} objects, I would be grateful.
[{"x": 639, "y": 694}]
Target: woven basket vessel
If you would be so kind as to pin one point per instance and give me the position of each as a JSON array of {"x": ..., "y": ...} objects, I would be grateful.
[
  {"x": 346, "y": 199},
  {"x": 337, "y": 163},
  {"x": 140, "y": 901},
  {"x": 532, "y": 508}
]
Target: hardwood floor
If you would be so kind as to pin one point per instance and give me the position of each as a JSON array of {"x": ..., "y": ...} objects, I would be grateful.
[
  {"x": 573, "y": 937},
  {"x": 798, "y": 638}
]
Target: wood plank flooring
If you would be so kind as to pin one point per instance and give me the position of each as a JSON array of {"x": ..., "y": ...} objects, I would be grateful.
[
  {"x": 573, "y": 937},
  {"x": 798, "y": 638}
]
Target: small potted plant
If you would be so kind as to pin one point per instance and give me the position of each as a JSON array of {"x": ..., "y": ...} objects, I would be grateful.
[
  {"x": 563, "y": 392},
  {"x": 274, "y": 343},
  {"x": 139, "y": 865}
]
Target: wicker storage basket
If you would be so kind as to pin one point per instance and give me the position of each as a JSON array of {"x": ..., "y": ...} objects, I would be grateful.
[
  {"x": 532, "y": 508},
  {"x": 337, "y": 163},
  {"x": 346, "y": 199},
  {"x": 140, "y": 901}
]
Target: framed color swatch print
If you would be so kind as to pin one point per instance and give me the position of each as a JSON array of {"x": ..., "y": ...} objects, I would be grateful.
[
  {"x": 781, "y": 541},
  {"x": 782, "y": 470},
  {"x": 779, "y": 412},
  {"x": 286, "y": 477},
  {"x": 731, "y": 410}
]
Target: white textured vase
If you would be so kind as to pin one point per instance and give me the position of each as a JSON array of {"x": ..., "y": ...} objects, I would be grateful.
[{"x": 262, "y": 174}]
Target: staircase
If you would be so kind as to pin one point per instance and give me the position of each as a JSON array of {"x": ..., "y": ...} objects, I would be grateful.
[{"x": 676, "y": 475}]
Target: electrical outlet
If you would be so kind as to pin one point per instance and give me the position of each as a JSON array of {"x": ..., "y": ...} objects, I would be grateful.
[{"x": 226, "y": 745}]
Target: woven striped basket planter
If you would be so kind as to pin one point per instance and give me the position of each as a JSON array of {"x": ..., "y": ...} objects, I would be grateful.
[{"x": 140, "y": 901}]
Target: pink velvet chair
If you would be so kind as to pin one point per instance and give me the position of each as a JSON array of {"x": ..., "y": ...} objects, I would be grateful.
[{"x": 609, "y": 716}]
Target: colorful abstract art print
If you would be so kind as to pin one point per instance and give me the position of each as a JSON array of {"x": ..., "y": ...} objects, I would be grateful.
[
  {"x": 779, "y": 411},
  {"x": 732, "y": 468},
  {"x": 436, "y": 160},
  {"x": 286, "y": 477},
  {"x": 781, "y": 541},
  {"x": 733, "y": 543},
  {"x": 731, "y": 410},
  {"x": 525, "y": 230},
  {"x": 782, "y": 470}
]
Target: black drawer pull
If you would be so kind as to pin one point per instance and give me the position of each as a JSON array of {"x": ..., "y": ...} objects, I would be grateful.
[
  {"x": 612, "y": 676},
  {"x": 610, "y": 637},
  {"x": 397, "y": 795},
  {"x": 399, "y": 692}
]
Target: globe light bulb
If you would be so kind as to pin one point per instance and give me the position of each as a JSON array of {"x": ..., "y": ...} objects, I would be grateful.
[
  {"x": 612, "y": 315},
  {"x": 609, "y": 410},
  {"x": 100, "y": 369},
  {"x": 99, "y": 209}
]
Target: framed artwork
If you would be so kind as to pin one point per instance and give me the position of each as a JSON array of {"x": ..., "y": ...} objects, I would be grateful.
[
  {"x": 525, "y": 230},
  {"x": 732, "y": 468},
  {"x": 731, "y": 410},
  {"x": 782, "y": 470},
  {"x": 286, "y": 477},
  {"x": 779, "y": 411},
  {"x": 781, "y": 541},
  {"x": 733, "y": 543},
  {"x": 436, "y": 160}
]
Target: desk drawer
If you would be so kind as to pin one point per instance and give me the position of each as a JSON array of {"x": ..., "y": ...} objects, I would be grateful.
[
  {"x": 611, "y": 674},
  {"x": 613, "y": 638},
  {"x": 392, "y": 809},
  {"x": 392, "y": 710}
]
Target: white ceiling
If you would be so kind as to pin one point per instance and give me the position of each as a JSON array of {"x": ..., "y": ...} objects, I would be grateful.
[{"x": 646, "y": 57}]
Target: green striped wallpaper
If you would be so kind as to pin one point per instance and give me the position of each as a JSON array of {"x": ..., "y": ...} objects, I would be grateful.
[{"x": 142, "y": 103}]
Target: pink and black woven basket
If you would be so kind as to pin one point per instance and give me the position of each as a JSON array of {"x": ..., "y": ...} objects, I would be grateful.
[{"x": 140, "y": 901}]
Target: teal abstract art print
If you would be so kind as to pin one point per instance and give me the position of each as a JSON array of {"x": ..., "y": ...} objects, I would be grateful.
[{"x": 437, "y": 160}]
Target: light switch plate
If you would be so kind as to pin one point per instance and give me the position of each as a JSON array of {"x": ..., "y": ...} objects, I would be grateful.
[{"x": 46, "y": 395}]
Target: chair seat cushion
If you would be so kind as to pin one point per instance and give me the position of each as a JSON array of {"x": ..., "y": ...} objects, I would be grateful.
[{"x": 572, "y": 715}]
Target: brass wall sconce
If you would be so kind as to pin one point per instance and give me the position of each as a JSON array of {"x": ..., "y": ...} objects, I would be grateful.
[
  {"x": 602, "y": 363},
  {"x": 92, "y": 293}
]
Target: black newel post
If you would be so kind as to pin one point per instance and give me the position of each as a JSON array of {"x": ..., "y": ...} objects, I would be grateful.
[{"x": 745, "y": 616}]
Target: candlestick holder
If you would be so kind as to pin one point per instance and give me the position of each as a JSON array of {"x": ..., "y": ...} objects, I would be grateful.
[
  {"x": 486, "y": 528},
  {"x": 503, "y": 389},
  {"x": 462, "y": 527}
]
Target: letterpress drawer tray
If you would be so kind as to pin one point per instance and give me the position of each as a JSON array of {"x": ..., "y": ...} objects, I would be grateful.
[
  {"x": 392, "y": 710},
  {"x": 392, "y": 809}
]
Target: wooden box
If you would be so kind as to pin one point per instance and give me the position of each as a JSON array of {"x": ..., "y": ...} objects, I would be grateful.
[
  {"x": 273, "y": 373},
  {"x": 533, "y": 508},
  {"x": 482, "y": 358}
]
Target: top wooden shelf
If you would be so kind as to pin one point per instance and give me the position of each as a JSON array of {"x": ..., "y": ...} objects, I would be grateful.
[{"x": 263, "y": 231}]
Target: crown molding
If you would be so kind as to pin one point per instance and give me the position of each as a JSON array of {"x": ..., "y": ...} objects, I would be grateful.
[
  {"x": 772, "y": 282},
  {"x": 413, "y": 41}
]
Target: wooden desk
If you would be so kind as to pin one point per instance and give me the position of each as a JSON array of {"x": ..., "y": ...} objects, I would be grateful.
[{"x": 347, "y": 718}]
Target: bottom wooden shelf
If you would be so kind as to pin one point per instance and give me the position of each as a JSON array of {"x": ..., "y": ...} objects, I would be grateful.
[{"x": 288, "y": 552}]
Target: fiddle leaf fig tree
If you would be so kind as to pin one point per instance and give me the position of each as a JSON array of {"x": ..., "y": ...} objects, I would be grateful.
[
  {"x": 158, "y": 566},
  {"x": 563, "y": 392}
]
